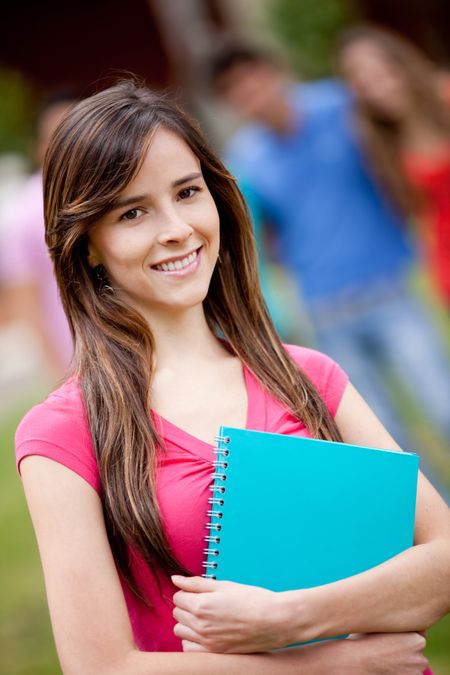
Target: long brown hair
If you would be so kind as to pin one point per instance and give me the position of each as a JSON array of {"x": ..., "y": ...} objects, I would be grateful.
[
  {"x": 94, "y": 154},
  {"x": 381, "y": 137}
]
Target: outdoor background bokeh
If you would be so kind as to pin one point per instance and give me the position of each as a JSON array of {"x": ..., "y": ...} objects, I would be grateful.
[{"x": 78, "y": 48}]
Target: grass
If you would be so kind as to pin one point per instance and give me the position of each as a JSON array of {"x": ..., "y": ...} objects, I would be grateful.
[{"x": 26, "y": 642}]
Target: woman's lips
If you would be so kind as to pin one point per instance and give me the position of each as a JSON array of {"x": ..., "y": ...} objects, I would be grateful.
[{"x": 179, "y": 266}]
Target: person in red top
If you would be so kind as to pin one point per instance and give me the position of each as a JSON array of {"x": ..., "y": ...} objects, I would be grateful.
[
  {"x": 430, "y": 174},
  {"x": 403, "y": 113},
  {"x": 155, "y": 260}
]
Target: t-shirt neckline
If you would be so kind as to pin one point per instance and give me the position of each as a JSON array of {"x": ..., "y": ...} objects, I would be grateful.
[{"x": 255, "y": 419}]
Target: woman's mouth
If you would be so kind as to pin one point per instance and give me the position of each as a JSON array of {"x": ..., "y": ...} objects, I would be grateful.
[{"x": 180, "y": 265}]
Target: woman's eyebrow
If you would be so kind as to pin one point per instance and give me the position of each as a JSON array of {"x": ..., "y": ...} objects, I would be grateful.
[
  {"x": 120, "y": 202},
  {"x": 185, "y": 179},
  {"x": 126, "y": 201}
]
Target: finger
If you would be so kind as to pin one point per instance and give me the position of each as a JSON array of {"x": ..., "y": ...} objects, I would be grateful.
[
  {"x": 185, "y": 633},
  {"x": 181, "y": 616},
  {"x": 192, "y": 646},
  {"x": 194, "y": 584},
  {"x": 184, "y": 600}
]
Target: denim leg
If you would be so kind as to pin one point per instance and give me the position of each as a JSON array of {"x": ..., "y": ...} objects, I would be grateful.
[
  {"x": 350, "y": 345},
  {"x": 394, "y": 334},
  {"x": 417, "y": 356}
]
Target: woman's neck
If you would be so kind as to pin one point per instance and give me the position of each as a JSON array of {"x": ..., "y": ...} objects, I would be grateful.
[
  {"x": 420, "y": 135},
  {"x": 183, "y": 337}
]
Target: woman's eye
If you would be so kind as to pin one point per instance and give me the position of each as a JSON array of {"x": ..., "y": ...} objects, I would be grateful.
[
  {"x": 132, "y": 214},
  {"x": 188, "y": 192}
]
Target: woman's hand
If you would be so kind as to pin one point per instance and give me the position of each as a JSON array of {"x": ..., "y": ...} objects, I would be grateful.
[
  {"x": 387, "y": 653},
  {"x": 225, "y": 617}
]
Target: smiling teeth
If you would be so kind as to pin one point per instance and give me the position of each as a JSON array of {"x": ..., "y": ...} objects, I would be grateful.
[{"x": 178, "y": 264}]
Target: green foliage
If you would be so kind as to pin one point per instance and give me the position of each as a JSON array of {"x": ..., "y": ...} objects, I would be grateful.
[
  {"x": 308, "y": 29},
  {"x": 16, "y": 120}
]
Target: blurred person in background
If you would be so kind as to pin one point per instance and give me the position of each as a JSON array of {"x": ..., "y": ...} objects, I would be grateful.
[
  {"x": 289, "y": 316},
  {"x": 345, "y": 245},
  {"x": 30, "y": 292},
  {"x": 13, "y": 174},
  {"x": 403, "y": 117}
]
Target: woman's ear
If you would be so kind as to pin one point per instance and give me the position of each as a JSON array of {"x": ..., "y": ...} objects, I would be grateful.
[{"x": 93, "y": 258}]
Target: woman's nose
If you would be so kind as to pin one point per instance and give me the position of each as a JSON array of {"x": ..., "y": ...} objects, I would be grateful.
[{"x": 174, "y": 228}]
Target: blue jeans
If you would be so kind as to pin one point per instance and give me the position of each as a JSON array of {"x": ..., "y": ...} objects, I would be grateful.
[{"x": 386, "y": 330}]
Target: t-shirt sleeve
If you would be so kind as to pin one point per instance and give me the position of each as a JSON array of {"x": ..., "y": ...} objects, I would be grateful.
[
  {"x": 327, "y": 376},
  {"x": 58, "y": 429}
]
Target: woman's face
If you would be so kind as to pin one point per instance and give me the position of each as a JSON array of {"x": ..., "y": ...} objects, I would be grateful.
[
  {"x": 160, "y": 240},
  {"x": 375, "y": 80}
]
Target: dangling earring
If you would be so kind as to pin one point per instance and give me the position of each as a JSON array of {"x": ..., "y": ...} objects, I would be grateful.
[{"x": 102, "y": 279}]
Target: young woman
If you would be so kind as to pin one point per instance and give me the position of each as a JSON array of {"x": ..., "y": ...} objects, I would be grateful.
[
  {"x": 403, "y": 109},
  {"x": 156, "y": 265}
]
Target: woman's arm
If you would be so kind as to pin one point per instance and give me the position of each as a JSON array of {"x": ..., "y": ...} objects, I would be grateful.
[
  {"x": 408, "y": 592},
  {"x": 89, "y": 617}
]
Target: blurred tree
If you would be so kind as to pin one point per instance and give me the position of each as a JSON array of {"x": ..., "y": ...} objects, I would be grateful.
[
  {"x": 308, "y": 29},
  {"x": 16, "y": 117}
]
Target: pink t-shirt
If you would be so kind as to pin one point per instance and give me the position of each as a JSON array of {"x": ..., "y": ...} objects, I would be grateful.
[{"x": 58, "y": 429}]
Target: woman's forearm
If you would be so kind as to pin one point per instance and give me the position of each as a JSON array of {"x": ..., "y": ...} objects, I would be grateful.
[
  {"x": 308, "y": 660},
  {"x": 407, "y": 593}
]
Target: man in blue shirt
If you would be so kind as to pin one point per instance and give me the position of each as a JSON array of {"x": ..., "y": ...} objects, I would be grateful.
[{"x": 347, "y": 249}]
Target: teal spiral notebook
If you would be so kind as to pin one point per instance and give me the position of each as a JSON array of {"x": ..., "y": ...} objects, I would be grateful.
[{"x": 289, "y": 512}]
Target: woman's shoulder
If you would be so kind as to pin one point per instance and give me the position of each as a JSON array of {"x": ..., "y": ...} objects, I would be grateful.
[
  {"x": 326, "y": 374},
  {"x": 58, "y": 428},
  {"x": 62, "y": 407}
]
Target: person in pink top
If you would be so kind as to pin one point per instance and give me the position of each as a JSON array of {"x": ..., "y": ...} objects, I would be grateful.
[
  {"x": 156, "y": 264},
  {"x": 26, "y": 271}
]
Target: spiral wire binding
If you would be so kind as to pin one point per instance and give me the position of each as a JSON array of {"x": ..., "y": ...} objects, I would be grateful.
[{"x": 216, "y": 500}]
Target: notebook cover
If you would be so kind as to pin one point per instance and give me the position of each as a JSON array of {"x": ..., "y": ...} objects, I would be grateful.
[{"x": 299, "y": 512}]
